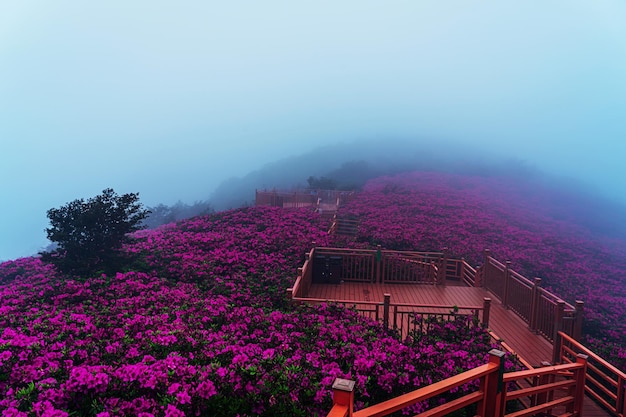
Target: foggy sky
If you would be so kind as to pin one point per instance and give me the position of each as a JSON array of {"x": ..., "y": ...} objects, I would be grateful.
[{"x": 170, "y": 98}]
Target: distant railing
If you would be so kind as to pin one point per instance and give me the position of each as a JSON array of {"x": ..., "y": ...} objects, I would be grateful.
[
  {"x": 556, "y": 387},
  {"x": 302, "y": 198},
  {"x": 604, "y": 382}
]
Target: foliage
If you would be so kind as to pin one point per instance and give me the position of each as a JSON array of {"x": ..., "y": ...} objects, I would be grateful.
[
  {"x": 205, "y": 329},
  {"x": 205, "y": 332},
  {"x": 164, "y": 214},
  {"x": 321, "y": 183},
  {"x": 91, "y": 233}
]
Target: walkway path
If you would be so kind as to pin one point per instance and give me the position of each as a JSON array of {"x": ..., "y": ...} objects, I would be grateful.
[{"x": 504, "y": 323}]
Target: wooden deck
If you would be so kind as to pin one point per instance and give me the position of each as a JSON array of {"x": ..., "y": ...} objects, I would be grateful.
[{"x": 504, "y": 323}]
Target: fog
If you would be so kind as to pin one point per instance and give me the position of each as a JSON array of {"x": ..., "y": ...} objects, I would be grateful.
[{"x": 169, "y": 99}]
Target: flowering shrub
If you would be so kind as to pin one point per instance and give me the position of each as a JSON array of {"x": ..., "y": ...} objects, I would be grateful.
[
  {"x": 517, "y": 221},
  {"x": 201, "y": 328}
]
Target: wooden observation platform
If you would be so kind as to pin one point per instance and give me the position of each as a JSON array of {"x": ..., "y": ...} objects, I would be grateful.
[{"x": 394, "y": 287}]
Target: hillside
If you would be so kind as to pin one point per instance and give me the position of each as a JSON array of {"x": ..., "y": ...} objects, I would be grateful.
[
  {"x": 201, "y": 325},
  {"x": 536, "y": 227}
]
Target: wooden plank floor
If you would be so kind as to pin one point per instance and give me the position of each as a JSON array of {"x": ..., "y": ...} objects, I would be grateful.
[{"x": 504, "y": 323}]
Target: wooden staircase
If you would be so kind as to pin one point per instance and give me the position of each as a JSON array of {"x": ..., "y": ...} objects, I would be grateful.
[{"x": 347, "y": 226}]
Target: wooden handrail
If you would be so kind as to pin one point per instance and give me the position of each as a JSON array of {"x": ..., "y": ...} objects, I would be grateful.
[
  {"x": 492, "y": 394},
  {"x": 406, "y": 400},
  {"x": 606, "y": 386},
  {"x": 545, "y": 313},
  {"x": 490, "y": 375}
]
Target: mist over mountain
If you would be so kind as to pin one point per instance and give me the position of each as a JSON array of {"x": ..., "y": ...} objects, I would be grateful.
[{"x": 351, "y": 165}]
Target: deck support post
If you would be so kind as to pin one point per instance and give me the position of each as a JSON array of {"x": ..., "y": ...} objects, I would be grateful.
[
  {"x": 579, "y": 394},
  {"x": 559, "y": 310},
  {"x": 485, "y": 284},
  {"x": 491, "y": 386},
  {"x": 507, "y": 280},
  {"x": 443, "y": 271},
  {"x": 434, "y": 279},
  {"x": 299, "y": 275},
  {"x": 486, "y": 311},
  {"x": 343, "y": 394},
  {"x": 540, "y": 398},
  {"x": 479, "y": 276},
  {"x": 386, "y": 304},
  {"x": 534, "y": 305},
  {"x": 578, "y": 324},
  {"x": 621, "y": 390},
  {"x": 378, "y": 259},
  {"x": 462, "y": 270}
]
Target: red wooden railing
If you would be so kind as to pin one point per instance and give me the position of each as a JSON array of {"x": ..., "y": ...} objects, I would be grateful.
[
  {"x": 555, "y": 388},
  {"x": 544, "y": 312},
  {"x": 604, "y": 382},
  {"x": 406, "y": 318},
  {"x": 380, "y": 266}
]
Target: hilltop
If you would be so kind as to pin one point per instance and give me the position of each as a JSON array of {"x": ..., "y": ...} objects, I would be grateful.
[{"x": 201, "y": 323}]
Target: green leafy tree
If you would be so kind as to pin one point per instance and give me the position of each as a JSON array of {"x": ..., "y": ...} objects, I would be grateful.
[
  {"x": 323, "y": 183},
  {"x": 89, "y": 234}
]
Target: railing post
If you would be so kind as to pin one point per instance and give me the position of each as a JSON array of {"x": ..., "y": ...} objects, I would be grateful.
[
  {"x": 507, "y": 279},
  {"x": 486, "y": 267},
  {"x": 491, "y": 386},
  {"x": 542, "y": 397},
  {"x": 581, "y": 376},
  {"x": 462, "y": 269},
  {"x": 578, "y": 324},
  {"x": 443, "y": 271},
  {"x": 343, "y": 394},
  {"x": 379, "y": 261},
  {"x": 486, "y": 310},
  {"x": 479, "y": 278},
  {"x": 534, "y": 305},
  {"x": 433, "y": 279},
  {"x": 620, "y": 403},
  {"x": 300, "y": 275},
  {"x": 386, "y": 303},
  {"x": 559, "y": 308}
]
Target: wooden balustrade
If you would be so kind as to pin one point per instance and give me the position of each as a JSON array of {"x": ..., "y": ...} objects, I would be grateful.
[
  {"x": 519, "y": 295},
  {"x": 543, "y": 311},
  {"x": 385, "y": 266},
  {"x": 559, "y": 387},
  {"x": 302, "y": 198},
  {"x": 604, "y": 382},
  {"x": 304, "y": 279},
  {"x": 460, "y": 270},
  {"x": 407, "y": 318}
]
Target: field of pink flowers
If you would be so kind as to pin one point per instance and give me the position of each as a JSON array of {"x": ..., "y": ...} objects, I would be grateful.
[
  {"x": 201, "y": 326},
  {"x": 531, "y": 225}
]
